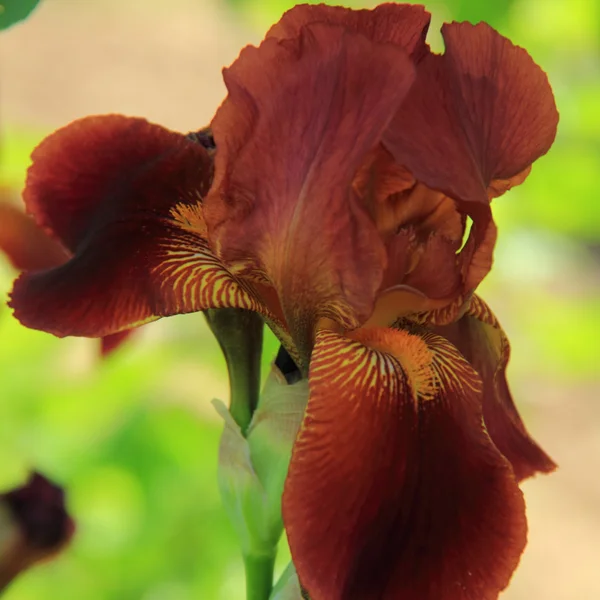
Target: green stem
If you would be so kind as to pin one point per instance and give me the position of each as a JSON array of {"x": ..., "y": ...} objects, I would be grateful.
[
  {"x": 259, "y": 576},
  {"x": 240, "y": 335}
]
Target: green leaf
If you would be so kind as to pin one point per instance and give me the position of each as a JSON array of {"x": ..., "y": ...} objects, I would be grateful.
[{"x": 13, "y": 11}]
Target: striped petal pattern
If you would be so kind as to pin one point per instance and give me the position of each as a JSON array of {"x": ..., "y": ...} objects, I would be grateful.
[
  {"x": 124, "y": 196},
  {"x": 395, "y": 489}
]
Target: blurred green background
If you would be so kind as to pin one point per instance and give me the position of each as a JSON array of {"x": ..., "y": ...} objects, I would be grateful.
[{"x": 134, "y": 438}]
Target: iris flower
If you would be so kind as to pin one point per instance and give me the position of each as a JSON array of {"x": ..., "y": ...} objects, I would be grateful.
[{"x": 346, "y": 199}]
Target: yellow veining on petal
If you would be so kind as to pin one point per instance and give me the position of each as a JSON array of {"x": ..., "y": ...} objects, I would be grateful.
[
  {"x": 417, "y": 361},
  {"x": 354, "y": 369},
  {"x": 190, "y": 217},
  {"x": 383, "y": 365},
  {"x": 452, "y": 371},
  {"x": 195, "y": 279},
  {"x": 482, "y": 312}
]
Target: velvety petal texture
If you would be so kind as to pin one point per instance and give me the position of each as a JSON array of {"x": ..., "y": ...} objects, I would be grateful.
[
  {"x": 26, "y": 245},
  {"x": 30, "y": 248},
  {"x": 395, "y": 489},
  {"x": 300, "y": 117},
  {"x": 481, "y": 340},
  {"x": 124, "y": 196},
  {"x": 481, "y": 111}
]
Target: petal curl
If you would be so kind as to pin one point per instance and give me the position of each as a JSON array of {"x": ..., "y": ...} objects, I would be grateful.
[
  {"x": 481, "y": 111},
  {"x": 429, "y": 282},
  {"x": 300, "y": 118},
  {"x": 395, "y": 489},
  {"x": 26, "y": 245},
  {"x": 405, "y": 25},
  {"x": 125, "y": 197},
  {"x": 480, "y": 338}
]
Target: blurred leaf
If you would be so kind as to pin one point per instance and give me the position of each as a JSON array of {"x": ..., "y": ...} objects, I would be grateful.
[
  {"x": 493, "y": 13},
  {"x": 13, "y": 11},
  {"x": 16, "y": 146}
]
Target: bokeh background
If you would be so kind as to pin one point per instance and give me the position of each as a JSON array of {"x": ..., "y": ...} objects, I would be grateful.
[{"x": 134, "y": 438}]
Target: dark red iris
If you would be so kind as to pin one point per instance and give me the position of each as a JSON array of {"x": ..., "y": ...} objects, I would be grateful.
[{"x": 349, "y": 161}]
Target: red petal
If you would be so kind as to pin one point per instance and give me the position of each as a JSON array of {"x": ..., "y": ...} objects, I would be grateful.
[
  {"x": 93, "y": 171},
  {"x": 300, "y": 118},
  {"x": 110, "y": 343},
  {"x": 405, "y": 25},
  {"x": 381, "y": 184},
  {"x": 125, "y": 196},
  {"x": 481, "y": 340},
  {"x": 436, "y": 274},
  {"x": 26, "y": 245},
  {"x": 428, "y": 282},
  {"x": 482, "y": 111},
  {"x": 395, "y": 489}
]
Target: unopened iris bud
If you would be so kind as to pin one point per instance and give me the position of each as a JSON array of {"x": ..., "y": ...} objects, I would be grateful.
[
  {"x": 253, "y": 467},
  {"x": 34, "y": 526}
]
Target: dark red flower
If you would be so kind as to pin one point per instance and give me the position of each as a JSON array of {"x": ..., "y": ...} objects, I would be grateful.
[
  {"x": 348, "y": 161},
  {"x": 34, "y": 526}
]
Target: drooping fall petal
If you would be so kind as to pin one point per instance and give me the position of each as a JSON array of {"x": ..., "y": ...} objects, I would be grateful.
[
  {"x": 481, "y": 111},
  {"x": 125, "y": 197},
  {"x": 30, "y": 248},
  {"x": 481, "y": 340},
  {"x": 300, "y": 117},
  {"x": 395, "y": 490},
  {"x": 405, "y": 25}
]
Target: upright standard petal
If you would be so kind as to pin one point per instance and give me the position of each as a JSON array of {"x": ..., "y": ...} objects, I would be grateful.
[
  {"x": 480, "y": 112},
  {"x": 300, "y": 117},
  {"x": 404, "y": 25},
  {"x": 124, "y": 196},
  {"x": 481, "y": 340},
  {"x": 395, "y": 490}
]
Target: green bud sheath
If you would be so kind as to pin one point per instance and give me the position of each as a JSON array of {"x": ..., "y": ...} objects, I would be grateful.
[{"x": 252, "y": 472}]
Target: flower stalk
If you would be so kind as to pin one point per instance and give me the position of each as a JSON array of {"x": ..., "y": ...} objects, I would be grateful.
[
  {"x": 259, "y": 575},
  {"x": 240, "y": 335}
]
